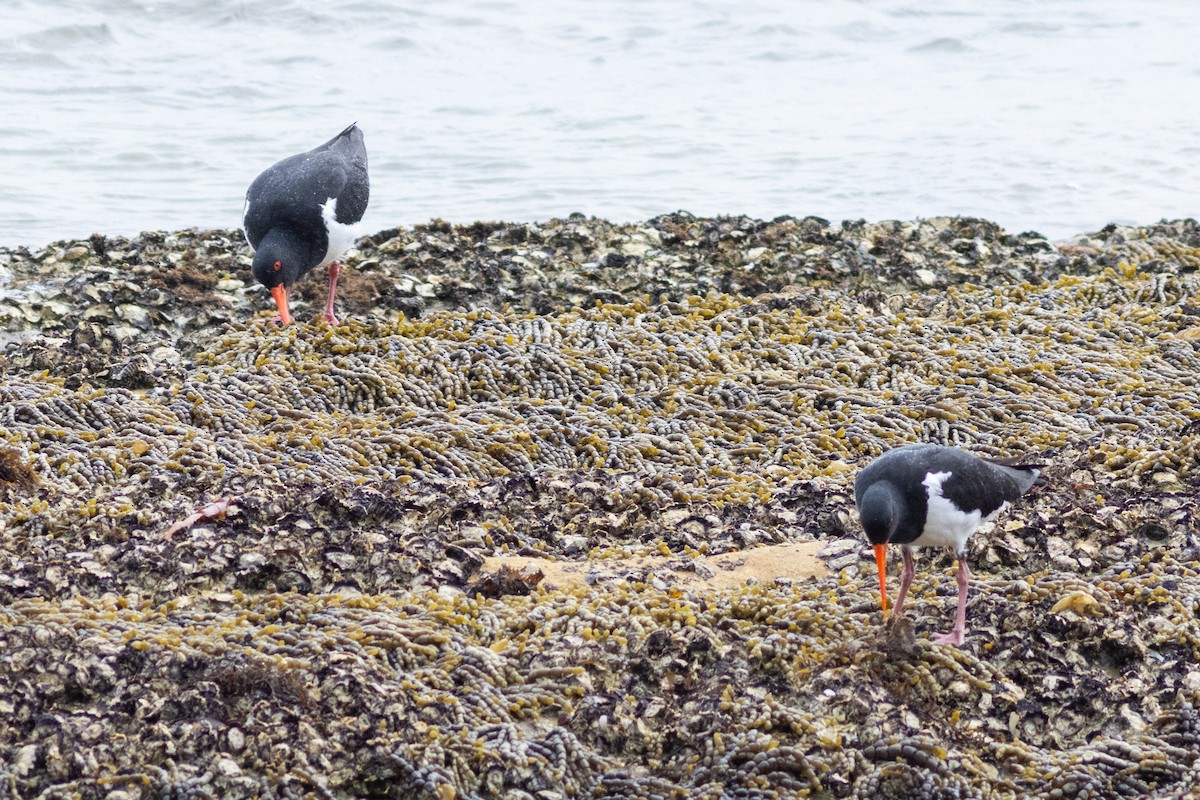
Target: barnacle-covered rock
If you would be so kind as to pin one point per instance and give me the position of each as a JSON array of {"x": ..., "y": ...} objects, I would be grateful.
[{"x": 645, "y": 402}]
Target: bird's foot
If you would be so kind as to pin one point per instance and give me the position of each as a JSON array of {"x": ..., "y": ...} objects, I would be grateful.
[
  {"x": 330, "y": 319},
  {"x": 275, "y": 323},
  {"x": 954, "y": 638}
]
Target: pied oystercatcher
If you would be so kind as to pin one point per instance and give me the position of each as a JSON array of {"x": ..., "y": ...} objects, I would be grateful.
[
  {"x": 929, "y": 495},
  {"x": 303, "y": 213}
]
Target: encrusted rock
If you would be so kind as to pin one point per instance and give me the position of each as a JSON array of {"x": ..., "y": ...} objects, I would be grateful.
[{"x": 576, "y": 391}]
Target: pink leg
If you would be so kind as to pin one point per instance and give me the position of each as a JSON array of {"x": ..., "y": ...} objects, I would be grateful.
[
  {"x": 955, "y": 637},
  {"x": 906, "y": 579},
  {"x": 335, "y": 269}
]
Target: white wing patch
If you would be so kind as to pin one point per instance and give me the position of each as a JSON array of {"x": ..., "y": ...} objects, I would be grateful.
[
  {"x": 340, "y": 236},
  {"x": 947, "y": 525}
]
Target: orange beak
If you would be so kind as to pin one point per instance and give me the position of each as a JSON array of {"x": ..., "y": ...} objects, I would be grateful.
[
  {"x": 280, "y": 294},
  {"x": 881, "y": 565}
]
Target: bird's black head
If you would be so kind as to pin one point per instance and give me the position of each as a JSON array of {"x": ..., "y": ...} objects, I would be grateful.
[
  {"x": 879, "y": 510},
  {"x": 278, "y": 260}
]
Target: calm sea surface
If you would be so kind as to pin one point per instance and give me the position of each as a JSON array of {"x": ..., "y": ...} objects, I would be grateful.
[{"x": 121, "y": 116}]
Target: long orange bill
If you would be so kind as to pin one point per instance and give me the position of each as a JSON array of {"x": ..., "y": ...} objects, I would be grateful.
[
  {"x": 881, "y": 564},
  {"x": 280, "y": 294}
]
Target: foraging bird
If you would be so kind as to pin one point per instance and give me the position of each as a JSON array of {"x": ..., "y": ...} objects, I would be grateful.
[
  {"x": 931, "y": 495},
  {"x": 303, "y": 213}
]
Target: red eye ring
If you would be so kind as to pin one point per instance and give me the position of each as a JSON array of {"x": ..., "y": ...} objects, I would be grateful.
[{"x": 278, "y": 266}]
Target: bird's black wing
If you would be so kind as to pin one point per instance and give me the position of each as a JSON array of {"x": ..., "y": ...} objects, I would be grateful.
[
  {"x": 352, "y": 199},
  {"x": 356, "y": 192},
  {"x": 977, "y": 485},
  {"x": 291, "y": 193}
]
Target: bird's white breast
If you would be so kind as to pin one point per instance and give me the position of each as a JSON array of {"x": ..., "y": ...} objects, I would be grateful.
[
  {"x": 340, "y": 236},
  {"x": 947, "y": 525}
]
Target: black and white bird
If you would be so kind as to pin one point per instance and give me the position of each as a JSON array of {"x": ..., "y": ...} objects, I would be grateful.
[
  {"x": 303, "y": 213},
  {"x": 929, "y": 495}
]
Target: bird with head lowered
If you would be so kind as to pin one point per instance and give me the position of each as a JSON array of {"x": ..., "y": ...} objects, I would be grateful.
[
  {"x": 303, "y": 213},
  {"x": 931, "y": 495}
]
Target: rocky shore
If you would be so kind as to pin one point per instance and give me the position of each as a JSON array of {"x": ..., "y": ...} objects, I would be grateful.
[{"x": 507, "y": 533}]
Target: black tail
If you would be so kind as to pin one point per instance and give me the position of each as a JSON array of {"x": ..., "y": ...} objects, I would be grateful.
[
  {"x": 352, "y": 135},
  {"x": 1023, "y": 470}
]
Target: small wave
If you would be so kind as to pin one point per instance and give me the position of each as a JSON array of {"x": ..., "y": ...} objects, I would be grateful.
[
  {"x": 538, "y": 111},
  {"x": 945, "y": 44},
  {"x": 68, "y": 36},
  {"x": 774, "y": 56},
  {"x": 32, "y": 61},
  {"x": 463, "y": 111},
  {"x": 394, "y": 43},
  {"x": 776, "y": 30},
  {"x": 227, "y": 91},
  {"x": 863, "y": 31},
  {"x": 1032, "y": 28},
  {"x": 643, "y": 32}
]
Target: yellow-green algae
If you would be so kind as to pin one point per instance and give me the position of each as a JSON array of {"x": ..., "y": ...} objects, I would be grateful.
[{"x": 318, "y": 641}]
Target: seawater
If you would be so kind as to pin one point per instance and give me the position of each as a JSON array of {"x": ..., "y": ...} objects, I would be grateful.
[{"x": 122, "y": 116}]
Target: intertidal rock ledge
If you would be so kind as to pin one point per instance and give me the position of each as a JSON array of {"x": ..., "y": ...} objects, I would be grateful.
[{"x": 631, "y": 401}]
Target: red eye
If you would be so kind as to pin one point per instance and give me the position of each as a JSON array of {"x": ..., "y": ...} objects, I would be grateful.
[{"x": 278, "y": 266}]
